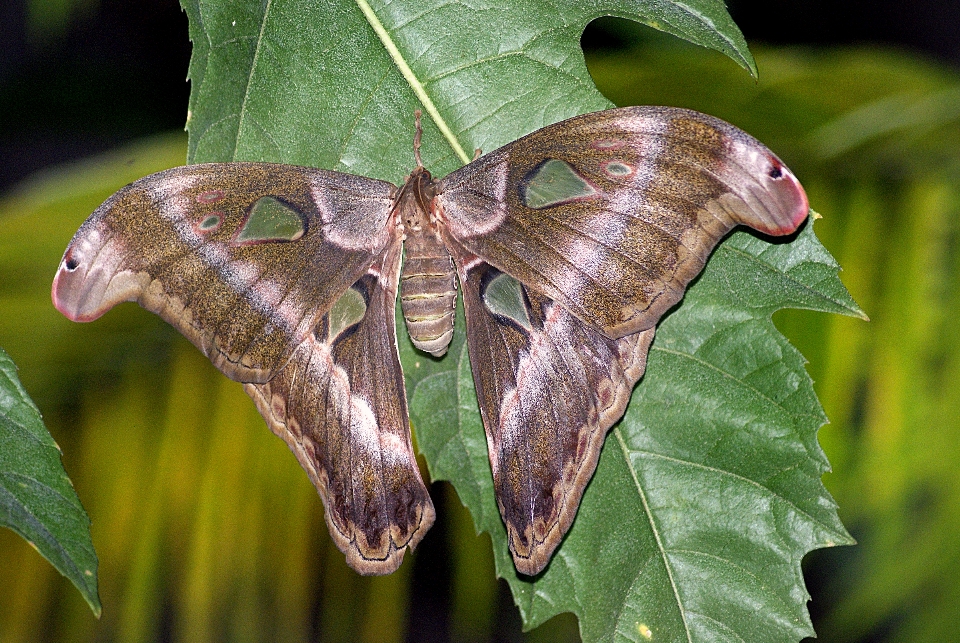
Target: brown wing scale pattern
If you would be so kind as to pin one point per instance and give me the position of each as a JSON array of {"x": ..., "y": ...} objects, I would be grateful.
[
  {"x": 612, "y": 214},
  {"x": 559, "y": 386},
  {"x": 343, "y": 412}
]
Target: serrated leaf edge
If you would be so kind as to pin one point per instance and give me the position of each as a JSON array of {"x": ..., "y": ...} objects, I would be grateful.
[{"x": 846, "y": 309}]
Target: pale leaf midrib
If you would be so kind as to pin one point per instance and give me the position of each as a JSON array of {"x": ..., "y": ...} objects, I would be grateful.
[
  {"x": 412, "y": 80},
  {"x": 253, "y": 67},
  {"x": 661, "y": 549}
]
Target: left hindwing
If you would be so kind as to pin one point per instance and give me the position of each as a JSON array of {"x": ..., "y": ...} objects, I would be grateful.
[
  {"x": 286, "y": 278},
  {"x": 549, "y": 388},
  {"x": 341, "y": 406}
]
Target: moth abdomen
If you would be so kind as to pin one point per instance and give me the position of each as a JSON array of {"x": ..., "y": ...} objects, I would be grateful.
[{"x": 428, "y": 297}]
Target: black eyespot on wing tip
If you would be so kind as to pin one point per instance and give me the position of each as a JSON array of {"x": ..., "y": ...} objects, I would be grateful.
[
  {"x": 71, "y": 264},
  {"x": 775, "y": 172}
]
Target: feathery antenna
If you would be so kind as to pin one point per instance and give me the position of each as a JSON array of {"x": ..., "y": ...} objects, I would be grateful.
[{"x": 416, "y": 138}]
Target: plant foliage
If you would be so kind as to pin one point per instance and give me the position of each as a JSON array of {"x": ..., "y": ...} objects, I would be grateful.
[
  {"x": 37, "y": 499},
  {"x": 708, "y": 493}
]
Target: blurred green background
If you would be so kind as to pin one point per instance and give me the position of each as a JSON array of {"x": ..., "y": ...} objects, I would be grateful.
[{"x": 207, "y": 529}]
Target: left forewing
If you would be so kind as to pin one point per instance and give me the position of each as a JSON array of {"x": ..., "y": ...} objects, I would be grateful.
[
  {"x": 242, "y": 258},
  {"x": 613, "y": 213}
]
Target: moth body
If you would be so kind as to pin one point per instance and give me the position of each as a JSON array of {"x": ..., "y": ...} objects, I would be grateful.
[{"x": 428, "y": 286}]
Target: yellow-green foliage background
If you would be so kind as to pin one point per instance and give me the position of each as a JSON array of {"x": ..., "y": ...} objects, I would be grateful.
[{"x": 207, "y": 529}]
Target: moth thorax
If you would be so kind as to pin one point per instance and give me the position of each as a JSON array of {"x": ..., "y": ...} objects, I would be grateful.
[{"x": 428, "y": 294}]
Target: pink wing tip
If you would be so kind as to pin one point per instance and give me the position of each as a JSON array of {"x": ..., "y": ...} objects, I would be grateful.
[
  {"x": 791, "y": 198},
  {"x": 72, "y": 288},
  {"x": 59, "y": 293}
]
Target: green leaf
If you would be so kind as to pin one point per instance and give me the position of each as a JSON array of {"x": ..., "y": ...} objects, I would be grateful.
[
  {"x": 698, "y": 508},
  {"x": 708, "y": 493},
  {"x": 334, "y": 84},
  {"x": 37, "y": 499}
]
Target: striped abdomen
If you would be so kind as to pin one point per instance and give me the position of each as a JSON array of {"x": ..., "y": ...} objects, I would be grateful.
[{"x": 428, "y": 293}]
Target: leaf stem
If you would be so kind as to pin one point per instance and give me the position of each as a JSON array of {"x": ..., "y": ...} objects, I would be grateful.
[{"x": 412, "y": 79}]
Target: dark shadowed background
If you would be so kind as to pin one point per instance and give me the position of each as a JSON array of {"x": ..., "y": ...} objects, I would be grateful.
[{"x": 80, "y": 76}]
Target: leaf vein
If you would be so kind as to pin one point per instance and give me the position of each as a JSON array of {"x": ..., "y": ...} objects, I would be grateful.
[
  {"x": 38, "y": 484},
  {"x": 356, "y": 121},
  {"x": 504, "y": 56},
  {"x": 733, "y": 377},
  {"x": 734, "y": 475},
  {"x": 203, "y": 27},
  {"x": 719, "y": 624},
  {"x": 707, "y": 22},
  {"x": 655, "y": 530},
  {"x": 253, "y": 67},
  {"x": 786, "y": 275},
  {"x": 735, "y": 565},
  {"x": 415, "y": 84},
  {"x": 202, "y": 134},
  {"x": 417, "y": 16}
]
